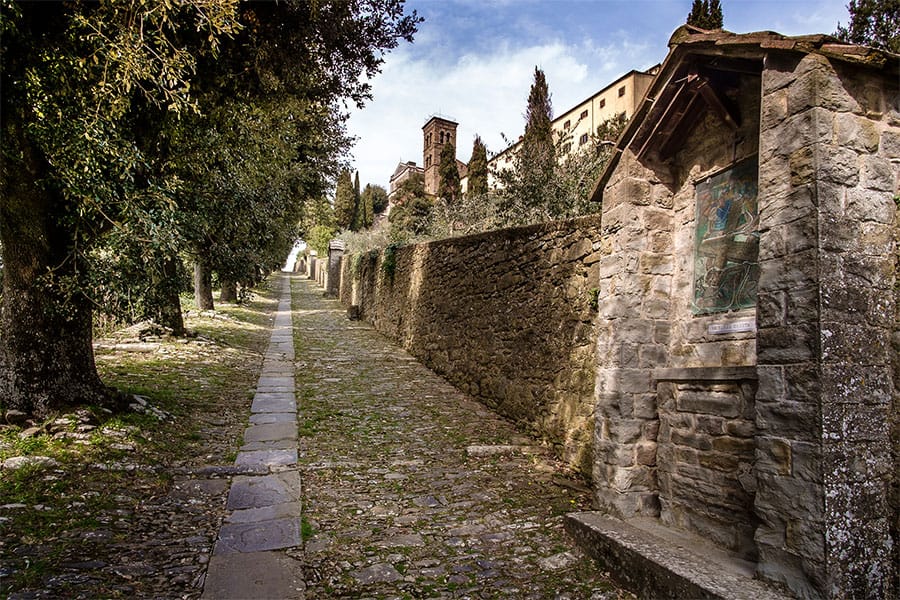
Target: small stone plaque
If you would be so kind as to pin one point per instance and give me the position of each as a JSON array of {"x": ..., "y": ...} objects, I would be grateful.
[{"x": 732, "y": 327}]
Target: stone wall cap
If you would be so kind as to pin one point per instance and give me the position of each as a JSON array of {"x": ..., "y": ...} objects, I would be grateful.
[{"x": 336, "y": 245}]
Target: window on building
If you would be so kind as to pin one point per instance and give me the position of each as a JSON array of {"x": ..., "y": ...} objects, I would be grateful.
[
  {"x": 583, "y": 114},
  {"x": 427, "y": 161},
  {"x": 602, "y": 102},
  {"x": 583, "y": 139},
  {"x": 441, "y": 137},
  {"x": 621, "y": 91},
  {"x": 566, "y": 125}
]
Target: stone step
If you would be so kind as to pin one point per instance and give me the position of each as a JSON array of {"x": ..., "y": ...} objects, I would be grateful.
[{"x": 656, "y": 562}]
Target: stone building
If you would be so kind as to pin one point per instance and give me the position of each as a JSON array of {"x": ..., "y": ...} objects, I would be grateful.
[
  {"x": 748, "y": 371},
  {"x": 437, "y": 133}
]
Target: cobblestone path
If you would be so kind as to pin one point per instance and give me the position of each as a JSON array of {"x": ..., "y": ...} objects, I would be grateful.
[{"x": 411, "y": 489}]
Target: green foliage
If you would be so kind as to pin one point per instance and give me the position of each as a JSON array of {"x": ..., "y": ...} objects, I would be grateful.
[
  {"x": 706, "y": 14},
  {"x": 448, "y": 174},
  {"x": 359, "y": 211},
  {"x": 319, "y": 237},
  {"x": 379, "y": 198},
  {"x": 389, "y": 261},
  {"x": 199, "y": 125},
  {"x": 478, "y": 169},
  {"x": 874, "y": 23},
  {"x": 594, "y": 298},
  {"x": 565, "y": 193},
  {"x": 344, "y": 202},
  {"x": 361, "y": 242},
  {"x": 366, "y": 208}
]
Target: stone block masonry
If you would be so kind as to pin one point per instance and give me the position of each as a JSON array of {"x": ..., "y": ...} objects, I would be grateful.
[{"x": 506, "y": 316}]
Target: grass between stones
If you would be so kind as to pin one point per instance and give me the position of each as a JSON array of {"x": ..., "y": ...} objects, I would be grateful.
[{"x": 96, "y": 486}]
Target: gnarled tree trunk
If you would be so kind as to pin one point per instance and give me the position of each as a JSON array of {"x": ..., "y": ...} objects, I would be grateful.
[{"x": 45, "y": 335}]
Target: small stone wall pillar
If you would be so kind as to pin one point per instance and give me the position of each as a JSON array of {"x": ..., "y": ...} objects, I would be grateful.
[
  {"x": 311, "y": 266},
  {"x": 333, "y": 272}
]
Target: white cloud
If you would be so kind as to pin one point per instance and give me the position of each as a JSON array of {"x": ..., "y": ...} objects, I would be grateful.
[
  {"x": 473, "y": 61},
  {"x": 485, "y": 93}
]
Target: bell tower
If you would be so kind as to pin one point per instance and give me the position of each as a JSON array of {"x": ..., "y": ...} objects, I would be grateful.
[{"x": 437, "y": 132}]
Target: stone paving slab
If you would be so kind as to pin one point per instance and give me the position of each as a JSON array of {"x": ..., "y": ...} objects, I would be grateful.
[
  {"x": 275, "y": 381},
  {"x": 264, "y": 404},
  {"x": 265, "y": 507},
  {"x": 271, "y": 431},
  {"x": 269, "y": 417},
  {"x": 265, "y": 490},
  {"x": 253, "y": 575},
  {"x": 275, "y": 534},
  {"x": 270, "y": 458},
  {"x": 270, "y": 445},
  {"x": 265, "y": 513}
]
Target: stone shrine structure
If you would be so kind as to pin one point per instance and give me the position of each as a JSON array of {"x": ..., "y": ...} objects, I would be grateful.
[{"x": 719, "y": 350}]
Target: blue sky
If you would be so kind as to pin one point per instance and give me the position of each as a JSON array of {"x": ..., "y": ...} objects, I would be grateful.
[{"x": 473, "y": 61}]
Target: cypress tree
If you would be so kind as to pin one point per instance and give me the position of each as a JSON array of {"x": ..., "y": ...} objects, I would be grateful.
[
  {"x": 344, "y": 202},
  {"x": 358, "y": 216},
  {"x": 535, "y": 160},
  {"x": 366, "y": 202},
  {"x": 715, "y": 15},
  {"x": 698, "y": 11},
  {"x": 448, "y": 174},
  {"x": 706, "y": 14},
  {"x": 478, "y": 170}
]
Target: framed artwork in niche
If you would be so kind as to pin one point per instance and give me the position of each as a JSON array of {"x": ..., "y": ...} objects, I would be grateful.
[{"x": 726, "y": 240}]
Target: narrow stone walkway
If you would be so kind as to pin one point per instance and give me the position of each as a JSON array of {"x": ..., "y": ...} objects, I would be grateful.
[
  {"x": 412, "y": 489},
  {"x": 264, "y": 506}
]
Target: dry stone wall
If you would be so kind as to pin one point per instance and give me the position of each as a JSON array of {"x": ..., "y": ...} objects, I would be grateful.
[{"x": 506, "y": 316}]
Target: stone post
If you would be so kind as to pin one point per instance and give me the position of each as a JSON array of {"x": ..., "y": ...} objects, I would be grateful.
[
  {"x": 333, "y": 271},
  {"x": 311, "y": 265}
]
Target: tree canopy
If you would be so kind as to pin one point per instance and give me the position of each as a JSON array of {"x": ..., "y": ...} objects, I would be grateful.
[
  {"x": 706, "y": 14},
  {"x": 412, "y": 212},
  {"x": 874, "y": 23},
  {"x": 159, "y": 131},
  {"x": 344, "y": 202},
  {"x": 534, "y": 161}
]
